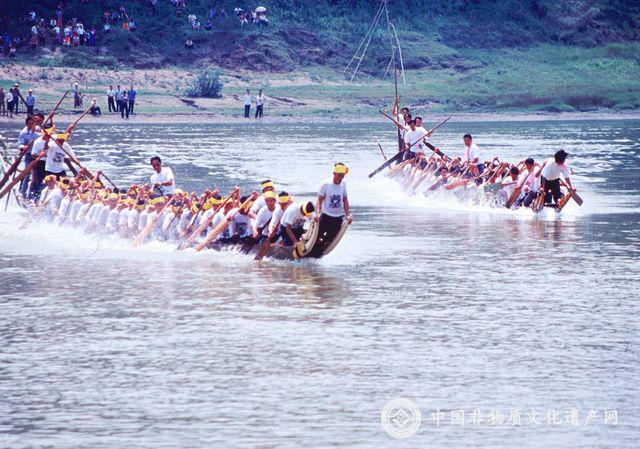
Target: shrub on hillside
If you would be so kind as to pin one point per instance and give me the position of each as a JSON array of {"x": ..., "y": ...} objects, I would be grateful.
[{"x": 207, "y": 84}]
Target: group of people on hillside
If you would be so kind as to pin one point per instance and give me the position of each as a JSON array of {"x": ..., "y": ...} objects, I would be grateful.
[
  {"x": 73, "y": 33},
  {"x": 117, "y": 17}
]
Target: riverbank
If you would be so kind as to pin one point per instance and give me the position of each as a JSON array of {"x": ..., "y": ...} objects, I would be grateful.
[
  {"x": 160, "y": 119},
  {"x": 319, "y": 95}
]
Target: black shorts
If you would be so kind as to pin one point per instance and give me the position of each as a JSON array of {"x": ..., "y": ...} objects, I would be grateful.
[{"x": 62, "y": 174}]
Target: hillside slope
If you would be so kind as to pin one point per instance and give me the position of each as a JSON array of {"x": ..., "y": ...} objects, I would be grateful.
[{"x": 490, "y": 46}]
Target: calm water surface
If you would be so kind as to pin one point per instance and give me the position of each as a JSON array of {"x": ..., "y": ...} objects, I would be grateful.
[{"x": 454, "y": 307}]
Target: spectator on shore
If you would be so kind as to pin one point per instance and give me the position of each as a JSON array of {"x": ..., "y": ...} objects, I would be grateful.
[
  {"x": 189, "y": 43},
  {"x": 31, "y": 102},
  {"x": 16, "y": 98},
  {"x": 209, "y": 25},
  {"x": 118, "y": 98},
  {"x": 77, "y": 97},
  {"x": 3, "y": 109},
  {"x": 124, "y": 108},
  {"x": 10, "y": 102},
  {"x": 259, "y": 104},
  {"x": 95, "y": 109},
  {"x": 132, "y": 99},
  {"x": 247, "y": 103},
  {"x": 111, "y": 99}
]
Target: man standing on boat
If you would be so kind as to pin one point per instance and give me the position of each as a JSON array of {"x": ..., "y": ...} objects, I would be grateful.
[
  {"x": 550, "y": 177},
  {"x": 333, "y": 204},
  {"x": 162, "y": 180},
  {"x": 471, "y": 155}
]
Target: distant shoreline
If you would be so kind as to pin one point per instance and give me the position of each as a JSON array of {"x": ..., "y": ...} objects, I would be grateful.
[{"x": 167, "y": 119}]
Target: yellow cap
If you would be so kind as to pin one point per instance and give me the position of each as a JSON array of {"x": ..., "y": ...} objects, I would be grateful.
[
  {"x": 156, "y": 200},
  {"x": 207, "y": 206},
  {"x": 282, "y": 199},
  {"x": 61, "y": 136},
  {"x": 64, "y": 183},
  {"x": 340, "y": 169},
  {"x": 215, "y": 201},
  {"x": 269, "y": 195},
  {"x": 267, "y": 184}
]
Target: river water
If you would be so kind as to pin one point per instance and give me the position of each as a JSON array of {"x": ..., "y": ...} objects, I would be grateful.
[{"x": 459, "y": 309}]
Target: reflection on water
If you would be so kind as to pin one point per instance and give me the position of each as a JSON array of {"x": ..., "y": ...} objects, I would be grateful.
[{"x": 452, "y": 306}]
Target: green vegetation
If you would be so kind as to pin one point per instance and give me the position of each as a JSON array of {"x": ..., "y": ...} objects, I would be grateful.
[
  {"x": 207, "y": 85},
  {"x": 549, "y": 55}
]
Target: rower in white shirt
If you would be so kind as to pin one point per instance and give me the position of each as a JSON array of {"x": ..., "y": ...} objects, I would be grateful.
[
  {"x": 550, "y": 177},
  {"x": 260, "y": 225},
  {"x": 162, "y": 180}
]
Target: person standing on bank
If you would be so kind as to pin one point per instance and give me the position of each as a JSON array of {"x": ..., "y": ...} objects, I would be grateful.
[
  {"x": 333, "y": 204},
  {"x": 162, "y": 180},
  {"x": 132, "y": 99},
  {"x": 260, "y": 104},
  {"x": 124, "y": 105},
  {"x": 31, "y": 102},
  {"x": 111, "y": 99},
  {"x": 247, "y": 103}
]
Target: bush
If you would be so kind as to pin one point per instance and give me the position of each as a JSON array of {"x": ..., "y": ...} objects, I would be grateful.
[{"x": 207, "y": 84}]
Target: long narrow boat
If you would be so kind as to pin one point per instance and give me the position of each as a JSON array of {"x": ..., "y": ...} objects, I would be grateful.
[{"x": 311, "y": 246}]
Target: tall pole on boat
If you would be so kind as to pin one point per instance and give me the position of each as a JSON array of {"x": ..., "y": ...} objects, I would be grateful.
[{"x": 396, "y": 101}]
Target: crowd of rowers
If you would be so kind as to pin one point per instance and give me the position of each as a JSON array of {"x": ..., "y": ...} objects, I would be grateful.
[
  {"x": 503, "y": 183},
  {"x": 85, "y": 200}
]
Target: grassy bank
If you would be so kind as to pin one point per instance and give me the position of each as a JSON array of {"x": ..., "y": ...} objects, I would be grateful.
[{"x": 547, "y": 78}]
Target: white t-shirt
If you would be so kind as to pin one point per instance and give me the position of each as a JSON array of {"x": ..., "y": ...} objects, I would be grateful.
[
  {"x": 111, "y": 93},
  {"x": 53, "y": 200},
  {"x": 553, "y": 170},
  {"x": 334, "y": 195},
  {"x": 239, "y": 224},
  {"x": 132, "y": 219},
  {"x": 412, "y": 137},
  {"x": 275, "y": 219},
  {"x": 55, "y": 157},
  {"x": 470, "y": 153},
  {"x": 165, "y": 175},
  {"x": 264, "y": 215},
  {"x": 37, "y": 147},
  {"x": 260, "y": 100},
  {"x": 217, "y": 219},
  {"x": 293, "y": 216},
  {"x": 247, "y": 100},
  {"x": 258, "y": 204}
]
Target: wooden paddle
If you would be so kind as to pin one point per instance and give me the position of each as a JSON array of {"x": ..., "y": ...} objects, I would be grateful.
[
  {"x": 575, "y": 195},
  {"x": 21, "y": 176},
  {"x": 225, "y": 223},
  {"x": 206, "y": 222},
  {"x": 150, "y": 224},
  {"x": 387, "y": 163},
  {"x": 69, "y": 130},
  {"x": 17, "y": 161},
  {"x": 267, "y": 243},
  {"x": 564, "y": 200},
  {"x": 516, "y": 191}
]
